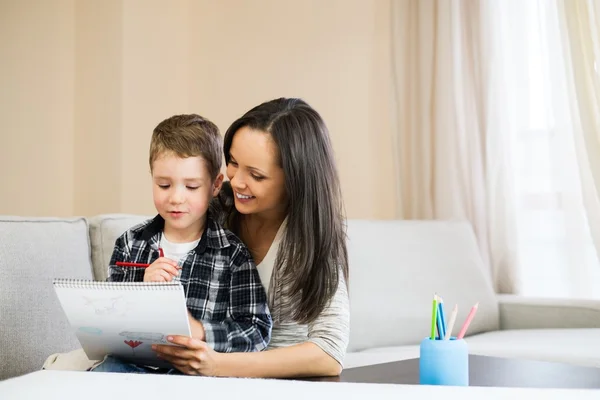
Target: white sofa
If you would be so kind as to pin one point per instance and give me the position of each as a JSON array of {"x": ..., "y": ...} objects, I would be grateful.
[{"x": 395, "y": 267}]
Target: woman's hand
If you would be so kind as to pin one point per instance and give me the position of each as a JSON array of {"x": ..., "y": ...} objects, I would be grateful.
[
  {"x": 195, "y": 357},
  {"x": 161, "y": 270}
]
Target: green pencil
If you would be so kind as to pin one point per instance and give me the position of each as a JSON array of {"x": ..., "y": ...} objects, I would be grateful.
[{"x": 433, "y": 317}]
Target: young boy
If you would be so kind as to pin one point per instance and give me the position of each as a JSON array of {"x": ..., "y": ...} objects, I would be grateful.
[{"x": 227, "y": 305}]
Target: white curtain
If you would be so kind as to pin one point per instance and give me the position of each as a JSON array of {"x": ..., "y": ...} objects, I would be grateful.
[
  {"x": 557, "y": 203},
  {"x": 580, "y": 23},
  {"x": 498, "y": 119},
  {"x": 452, "y": 161}
]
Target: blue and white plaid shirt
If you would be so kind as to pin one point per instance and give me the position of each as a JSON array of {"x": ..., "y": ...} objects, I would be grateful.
[{"x": 222, "y": 286}]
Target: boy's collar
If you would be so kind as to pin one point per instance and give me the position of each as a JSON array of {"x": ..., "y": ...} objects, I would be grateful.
[{"x": 214, "y": 235}]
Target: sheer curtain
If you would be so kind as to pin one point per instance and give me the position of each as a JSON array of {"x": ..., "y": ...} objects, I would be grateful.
[
  {"x": 557, "y": 198},
  {"x": 450, "y": 107},
  {"x": 497, "y": 122}
]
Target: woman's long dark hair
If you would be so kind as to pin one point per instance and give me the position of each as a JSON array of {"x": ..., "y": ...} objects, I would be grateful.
[{"x": 313, "y": 250}]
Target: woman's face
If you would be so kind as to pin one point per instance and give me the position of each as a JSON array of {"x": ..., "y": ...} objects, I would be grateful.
[{"x": 256, "y": 177}]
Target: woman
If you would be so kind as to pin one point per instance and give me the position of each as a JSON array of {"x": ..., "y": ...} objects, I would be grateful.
[{"x": 284, "y": 202}]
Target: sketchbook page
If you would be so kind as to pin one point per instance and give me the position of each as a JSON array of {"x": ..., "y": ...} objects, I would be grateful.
[{"x": 124, "y": 319}]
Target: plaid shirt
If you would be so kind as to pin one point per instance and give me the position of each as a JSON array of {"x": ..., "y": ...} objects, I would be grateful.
[{"x": 222, "y": 285}]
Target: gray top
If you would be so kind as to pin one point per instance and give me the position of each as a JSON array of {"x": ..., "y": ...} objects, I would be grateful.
[{"x": 330, "y": 331}]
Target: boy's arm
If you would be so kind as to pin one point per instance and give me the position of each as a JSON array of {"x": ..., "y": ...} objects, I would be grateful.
[
  {"x": 249, "y": 327},
  {"x": 123, "y": 274}
]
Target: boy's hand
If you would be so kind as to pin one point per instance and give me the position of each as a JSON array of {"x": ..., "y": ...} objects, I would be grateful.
[
  {"x": 196, "y": 327},
  {"x": 161, "y": 270}
]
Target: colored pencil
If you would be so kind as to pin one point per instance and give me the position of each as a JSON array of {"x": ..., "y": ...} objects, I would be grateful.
[
  {"x": 451, "y": 322},
  {"x": 465, "y": 326},
  {"x": 433, "y": 317},
  {"x": 441, "y": 318},
  {"x": 131, "y": 264},
  {"x": 138, "y": 265}
]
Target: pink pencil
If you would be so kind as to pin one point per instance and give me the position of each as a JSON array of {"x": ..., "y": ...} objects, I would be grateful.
[{"x": 465, "y": 326}]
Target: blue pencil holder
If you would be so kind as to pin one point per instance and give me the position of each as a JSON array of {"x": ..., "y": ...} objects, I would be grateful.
[{"x": 444, "y": 362}]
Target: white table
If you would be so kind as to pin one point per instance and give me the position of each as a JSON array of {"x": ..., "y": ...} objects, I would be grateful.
[{"x": 110, "y": 386}]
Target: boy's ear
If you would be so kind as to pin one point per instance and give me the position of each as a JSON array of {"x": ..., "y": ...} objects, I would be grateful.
[{"x": 217, "y": 184}]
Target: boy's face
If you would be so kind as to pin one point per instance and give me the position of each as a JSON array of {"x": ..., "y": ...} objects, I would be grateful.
[{"x": 182, "y": 189}]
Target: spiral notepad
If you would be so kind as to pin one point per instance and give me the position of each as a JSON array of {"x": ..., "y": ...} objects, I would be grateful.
[{"x": 123, "y": 318}]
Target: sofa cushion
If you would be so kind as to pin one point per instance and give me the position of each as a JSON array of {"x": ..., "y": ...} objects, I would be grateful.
[
  {"x": 395, "y": 269},
  {"x": 104, "y": 231},
  {"x": 571, "y": 346},
  {"x": 34, "y": 251}
]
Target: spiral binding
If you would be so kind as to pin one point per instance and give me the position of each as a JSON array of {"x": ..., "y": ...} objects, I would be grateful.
[{"x": 100, "y": 285}]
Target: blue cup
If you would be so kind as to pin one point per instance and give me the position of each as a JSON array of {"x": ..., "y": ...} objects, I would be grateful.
[{"x": 444, "y": 362}]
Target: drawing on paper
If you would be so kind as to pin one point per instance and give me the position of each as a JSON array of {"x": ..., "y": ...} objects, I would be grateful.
[
  {"x": 133, "y": 344},
  {"x": 151, "y": 336},
  {"x": 91, "y": 330},
  {"x": 111, "y": 306}
]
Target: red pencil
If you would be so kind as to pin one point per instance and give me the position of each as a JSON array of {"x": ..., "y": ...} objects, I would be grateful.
[
  {"x": 131, "y": 264},
  {"x": 139, "y": 265}
]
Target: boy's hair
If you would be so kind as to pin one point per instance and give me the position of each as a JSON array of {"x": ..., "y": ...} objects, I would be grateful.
[{"x": 188, "y": 135}]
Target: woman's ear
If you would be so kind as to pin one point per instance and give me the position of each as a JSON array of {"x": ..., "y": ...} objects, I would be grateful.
[{"x": 217, "y": 184}]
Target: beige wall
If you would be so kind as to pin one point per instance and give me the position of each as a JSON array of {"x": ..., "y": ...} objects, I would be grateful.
[
  {"x": 87, "y": 81},
  {"x": 98, "y": 107},
  {"x": 37, "y": 80}
]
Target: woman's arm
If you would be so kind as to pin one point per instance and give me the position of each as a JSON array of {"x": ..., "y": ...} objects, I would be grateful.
[
  {"x": 321, "y": 355},
  {"x": 331, "y": 330},
  {"x": 300, "y": 360},
  {"x": 195, "y": 357}
]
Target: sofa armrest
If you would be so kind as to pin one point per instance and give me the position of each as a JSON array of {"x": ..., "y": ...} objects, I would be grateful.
[{"x": 519, "y": 312}]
